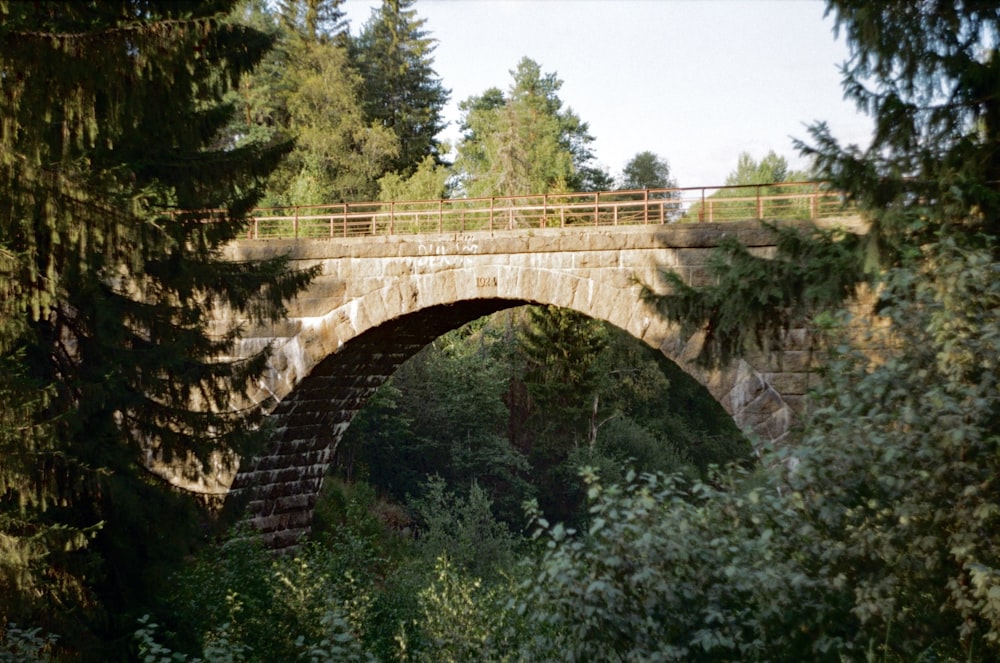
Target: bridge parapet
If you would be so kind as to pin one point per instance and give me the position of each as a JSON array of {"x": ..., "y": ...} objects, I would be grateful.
[{"x": 786, "y": 200}]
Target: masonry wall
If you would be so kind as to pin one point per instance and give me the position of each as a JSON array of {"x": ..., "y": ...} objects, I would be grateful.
[{"x": 379, "y": 300}]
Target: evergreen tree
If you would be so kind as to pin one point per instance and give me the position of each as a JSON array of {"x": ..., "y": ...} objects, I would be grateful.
[
  {"x": 524, "y": 142},
  {"x": 111, "y": 272},
  {"x": 308, "y": 89},
  {"x": 401, "y": 90},
  {"x": 560, "y": 350},
  {"x": 928, "y": 74}
]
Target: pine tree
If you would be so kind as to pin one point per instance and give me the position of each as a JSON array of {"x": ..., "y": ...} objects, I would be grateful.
[
  {"x": 525, "y": 142},
  {"x": 111, "y": 271},
  {"x": 929, "y": 75},
  {"x": 308, "y": 89},
  {"x": 401, "y": 90}
]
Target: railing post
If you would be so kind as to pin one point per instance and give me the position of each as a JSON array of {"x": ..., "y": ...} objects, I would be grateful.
[
  {"x": 645, "y": 206},
  {"x": 392, "y": 216},
  {"x": 491, "y": 213},
  {"x": 440, "y": 215},
  {"x": 814, "y": 203},
  {"x": 295, "y": 223},
  {"x": 701, "y": 212},
  {"x": 545, "y": 209},
  {"x": 760, "y": 204},
  {"x": 597, "y": 207}
]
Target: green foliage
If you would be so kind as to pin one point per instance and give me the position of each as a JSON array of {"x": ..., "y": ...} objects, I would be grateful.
[
  {"x": 560, "y": 348},
  {"x": 750, "y": 181},
  {"x": 769, "y": 170},
  {"x": 671, "y": 572},
  {"x": 443, "y": 413},
  {"x": 927, "y": 74},
  {"x": 647, "y": 170},
  {"x": 269, "y": 608},
  {"x": 18, "y": 645},
  {"x": 428, "y": 182},
  {"x": 899, "y": 469},
  {"x": 309, "y": 90},
  {"x": 523, "y": 142},
  {"x": 755, "y": 300},
  {"x": 460, "y": 617},
  {"x": 394, "y": 56},
  {"x": 110, "y": 159},
  {"x": 461, "y": 529},
  {"x": 518, "y": 401}
]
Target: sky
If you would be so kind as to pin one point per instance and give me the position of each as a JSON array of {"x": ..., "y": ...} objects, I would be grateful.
[{"x": 695, "y": 81}]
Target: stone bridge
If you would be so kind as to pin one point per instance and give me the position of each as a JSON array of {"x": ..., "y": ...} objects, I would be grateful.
[{"x": 380, "y": 299}]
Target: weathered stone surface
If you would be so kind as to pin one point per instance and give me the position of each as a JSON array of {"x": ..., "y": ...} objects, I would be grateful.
[{"x": 380, "y": 299}]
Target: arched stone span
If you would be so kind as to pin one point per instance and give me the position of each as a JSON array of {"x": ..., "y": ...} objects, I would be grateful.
[{"x": 379, "y": 300}]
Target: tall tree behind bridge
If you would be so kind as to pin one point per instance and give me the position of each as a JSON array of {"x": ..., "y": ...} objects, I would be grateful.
[
  {"x": 524, "y": 141},
  {"x": 110, "y": 269},
  {"x": 647, "y": 170},
  {"x": 309, "y": 90},
  {"x": 401, "y": 91}
]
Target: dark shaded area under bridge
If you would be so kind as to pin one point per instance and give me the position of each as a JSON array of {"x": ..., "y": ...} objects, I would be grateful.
[{"x": 313, "y": 417}]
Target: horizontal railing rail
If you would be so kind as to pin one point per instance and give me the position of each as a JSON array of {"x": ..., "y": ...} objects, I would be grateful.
[{"x": 786, "y": 200}]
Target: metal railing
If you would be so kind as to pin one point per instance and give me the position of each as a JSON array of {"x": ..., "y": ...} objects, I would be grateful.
[{"x": 787, "y": 200}]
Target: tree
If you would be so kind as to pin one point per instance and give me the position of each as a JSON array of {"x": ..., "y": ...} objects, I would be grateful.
[
  {"x": 752, "y": 181},
  {"x": 308, "y": 89},
  {"x": 927, "y": 74},
  {"x": 646, "y": 170},
  {"x": 769, "y": 170},
  {"x": 428, "y": 182},
  {"x": 112, "y": 115},
  {"x": 897, "y": 471},
  {"x": 933, "y": 161},
  {"x": 523, "y": 142},
  {"x": 401, "y": 90}
]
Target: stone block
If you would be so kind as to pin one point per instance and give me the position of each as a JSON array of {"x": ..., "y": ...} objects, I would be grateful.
[{"x": 789, "y": 384}]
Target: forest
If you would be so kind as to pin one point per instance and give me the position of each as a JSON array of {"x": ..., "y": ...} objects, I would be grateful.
[{"x": 537, "y": 485}]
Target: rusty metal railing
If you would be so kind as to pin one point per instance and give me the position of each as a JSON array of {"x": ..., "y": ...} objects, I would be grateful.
[{"x": 786, "y": 200}]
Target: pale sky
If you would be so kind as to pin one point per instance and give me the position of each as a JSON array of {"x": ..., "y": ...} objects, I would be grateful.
[{"x": 695, "y": 81}]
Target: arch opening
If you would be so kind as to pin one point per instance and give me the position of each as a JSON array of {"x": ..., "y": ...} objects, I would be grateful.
[{"x": 280, "y": 490}]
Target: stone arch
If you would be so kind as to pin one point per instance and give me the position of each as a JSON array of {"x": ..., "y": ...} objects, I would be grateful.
[
  {"x": 323, "y": 374},
  {"x": 319, "y": 337}
]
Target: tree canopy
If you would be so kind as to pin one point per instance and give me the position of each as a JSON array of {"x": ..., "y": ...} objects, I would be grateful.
[
  {"x": 401, "y": 91},
  {"x": 647, "y": 170},
  {"x": 523, "y": 141},
  {"x": 111, "y": 271}
]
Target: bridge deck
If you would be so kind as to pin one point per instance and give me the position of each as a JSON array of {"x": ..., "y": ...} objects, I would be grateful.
[{"x": 798, "y": 200}]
